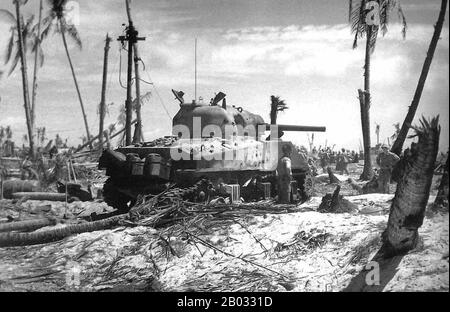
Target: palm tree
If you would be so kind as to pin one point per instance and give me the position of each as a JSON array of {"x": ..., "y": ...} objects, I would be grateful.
[
  {"x": 56, "y": 16},
  {"x": 22, "y": 38},
  {"x": 38, "y": 54},
  {"x": 367, "y": 18},
  {"x": 413, "y": 190},
  {"x": 398, "y": 144},
  {"x": 276, "y": 105}
]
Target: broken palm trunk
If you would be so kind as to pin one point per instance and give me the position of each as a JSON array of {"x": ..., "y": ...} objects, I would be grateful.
[
  {"x": 413, "y": 190},
  {"x": 39, "y": 196},
  {"x": 336, "y": 203},
  {"x": 20, "y": 239},
  {"x": 369, "y": 188},
  {"x": 332, "y": 177},
  {"x": 27, "y": 225}
]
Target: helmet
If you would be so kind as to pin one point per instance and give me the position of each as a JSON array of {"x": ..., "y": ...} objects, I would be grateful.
[{"x": 286, "y": 148}]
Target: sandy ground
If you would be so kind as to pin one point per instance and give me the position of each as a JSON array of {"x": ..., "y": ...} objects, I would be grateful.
[{"x": 301, "y": 251}]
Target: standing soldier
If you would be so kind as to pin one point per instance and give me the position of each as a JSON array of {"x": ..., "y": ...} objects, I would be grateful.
[
  {"x": 284, "y": 175},
  {"x": 386, "y": 160},
  {"x": 324, "y": 158},
  {"x": 343, "y": 159}
]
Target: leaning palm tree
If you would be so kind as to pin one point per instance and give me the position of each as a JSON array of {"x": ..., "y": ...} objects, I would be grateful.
[
  {"x": 400, "y": 140},
  {"x": 276, "y": 105},
  {"x": 56, "y": 16},
  {"x": 21, "y": 38},
  {"x": 367, "y": 18}
]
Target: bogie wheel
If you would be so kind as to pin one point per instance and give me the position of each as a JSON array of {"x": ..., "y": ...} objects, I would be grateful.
[{"x": 114, "y": 198}]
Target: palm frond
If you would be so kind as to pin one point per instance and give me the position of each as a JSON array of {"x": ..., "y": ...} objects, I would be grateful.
[
  {"x": 9, "y": 48},
  {"x": 73, "y": 33},
  {"x": 14, "y": 64},
  {"x": 7, "y": 17},
  {"x": 57, "y": 7},
  {"x": 402, "y": 18},
  {"x": 48, "y": 24},
  {"x": 357, "y": 24}
]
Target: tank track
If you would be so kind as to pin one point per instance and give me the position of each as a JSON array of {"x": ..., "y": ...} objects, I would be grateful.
[
  {"x": 196, "y": 193},
  {"x": 122, "y": 202}
]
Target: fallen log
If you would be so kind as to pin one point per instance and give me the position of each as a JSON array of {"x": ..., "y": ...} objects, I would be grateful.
[
  {"x": 11, "y": 239},
  {"x": 27, "y": 225},
  {"x": 39, "y": 196},
  {"x": 13, "y": 186},
  {"x": 355, "y": 185}
]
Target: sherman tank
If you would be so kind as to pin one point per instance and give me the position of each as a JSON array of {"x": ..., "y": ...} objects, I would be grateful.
[{"x": 214, "y": 149}]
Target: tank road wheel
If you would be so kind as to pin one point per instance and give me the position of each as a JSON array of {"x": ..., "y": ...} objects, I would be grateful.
[{"x": 114, "y": 198}]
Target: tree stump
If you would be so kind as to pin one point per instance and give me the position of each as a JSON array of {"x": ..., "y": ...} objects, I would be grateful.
[{"x": 335, "y": 203}]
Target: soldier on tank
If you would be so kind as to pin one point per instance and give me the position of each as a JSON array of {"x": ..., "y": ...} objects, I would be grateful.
[
  {"x": 386, "y": 160},
  {"x": 284, "y": 175}
]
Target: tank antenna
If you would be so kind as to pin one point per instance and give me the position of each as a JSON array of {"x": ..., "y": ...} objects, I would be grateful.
[{"x": 195, "y": 71}]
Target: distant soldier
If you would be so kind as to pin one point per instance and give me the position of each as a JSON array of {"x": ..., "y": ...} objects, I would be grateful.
[
  {"x": 28, "y": 173},
  {"x": 343, "y": 160},
  {"x": 386, "y": 160},
  {"x": 284, "y": 175},
  {"x": 324, "y": 158}
]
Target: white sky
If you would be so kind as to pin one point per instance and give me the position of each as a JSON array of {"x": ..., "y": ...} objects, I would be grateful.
[{"x": 249, "y": 49}]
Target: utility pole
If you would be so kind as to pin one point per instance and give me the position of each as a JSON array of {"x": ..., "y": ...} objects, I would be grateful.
[
  {"x": 138, "y": 135},
  {"x": 103, "y": 101},
  {"x": 195, "y": 71},
  {"x": 131, "y": 36}
]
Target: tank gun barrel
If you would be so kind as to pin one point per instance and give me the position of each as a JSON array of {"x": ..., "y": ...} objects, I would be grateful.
[{"x": 297, "y": 128}]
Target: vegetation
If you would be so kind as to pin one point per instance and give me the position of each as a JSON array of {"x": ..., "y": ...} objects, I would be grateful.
[{"x": 367, "y": 19}]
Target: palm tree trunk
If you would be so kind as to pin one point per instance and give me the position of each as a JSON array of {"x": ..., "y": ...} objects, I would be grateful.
[
  {"x": 75, "y": 81},
  {"x": 36, "y": 67},
  {"x": 413, "y": 190},
  {"x": 365, "y": 111},
  {"x": 103, "y": 96},
  {"x": 26, "y": 95},
  {"x": 398, "y": 144},
  {"x": 27, "y": 225},
  {"x": 42, "y": 237}
]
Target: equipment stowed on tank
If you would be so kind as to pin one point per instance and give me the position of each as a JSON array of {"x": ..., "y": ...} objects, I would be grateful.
[{"x": 220, "y": 149}]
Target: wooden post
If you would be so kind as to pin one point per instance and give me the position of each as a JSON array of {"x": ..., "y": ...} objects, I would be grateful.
[{"x": 103, "y": 95}]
